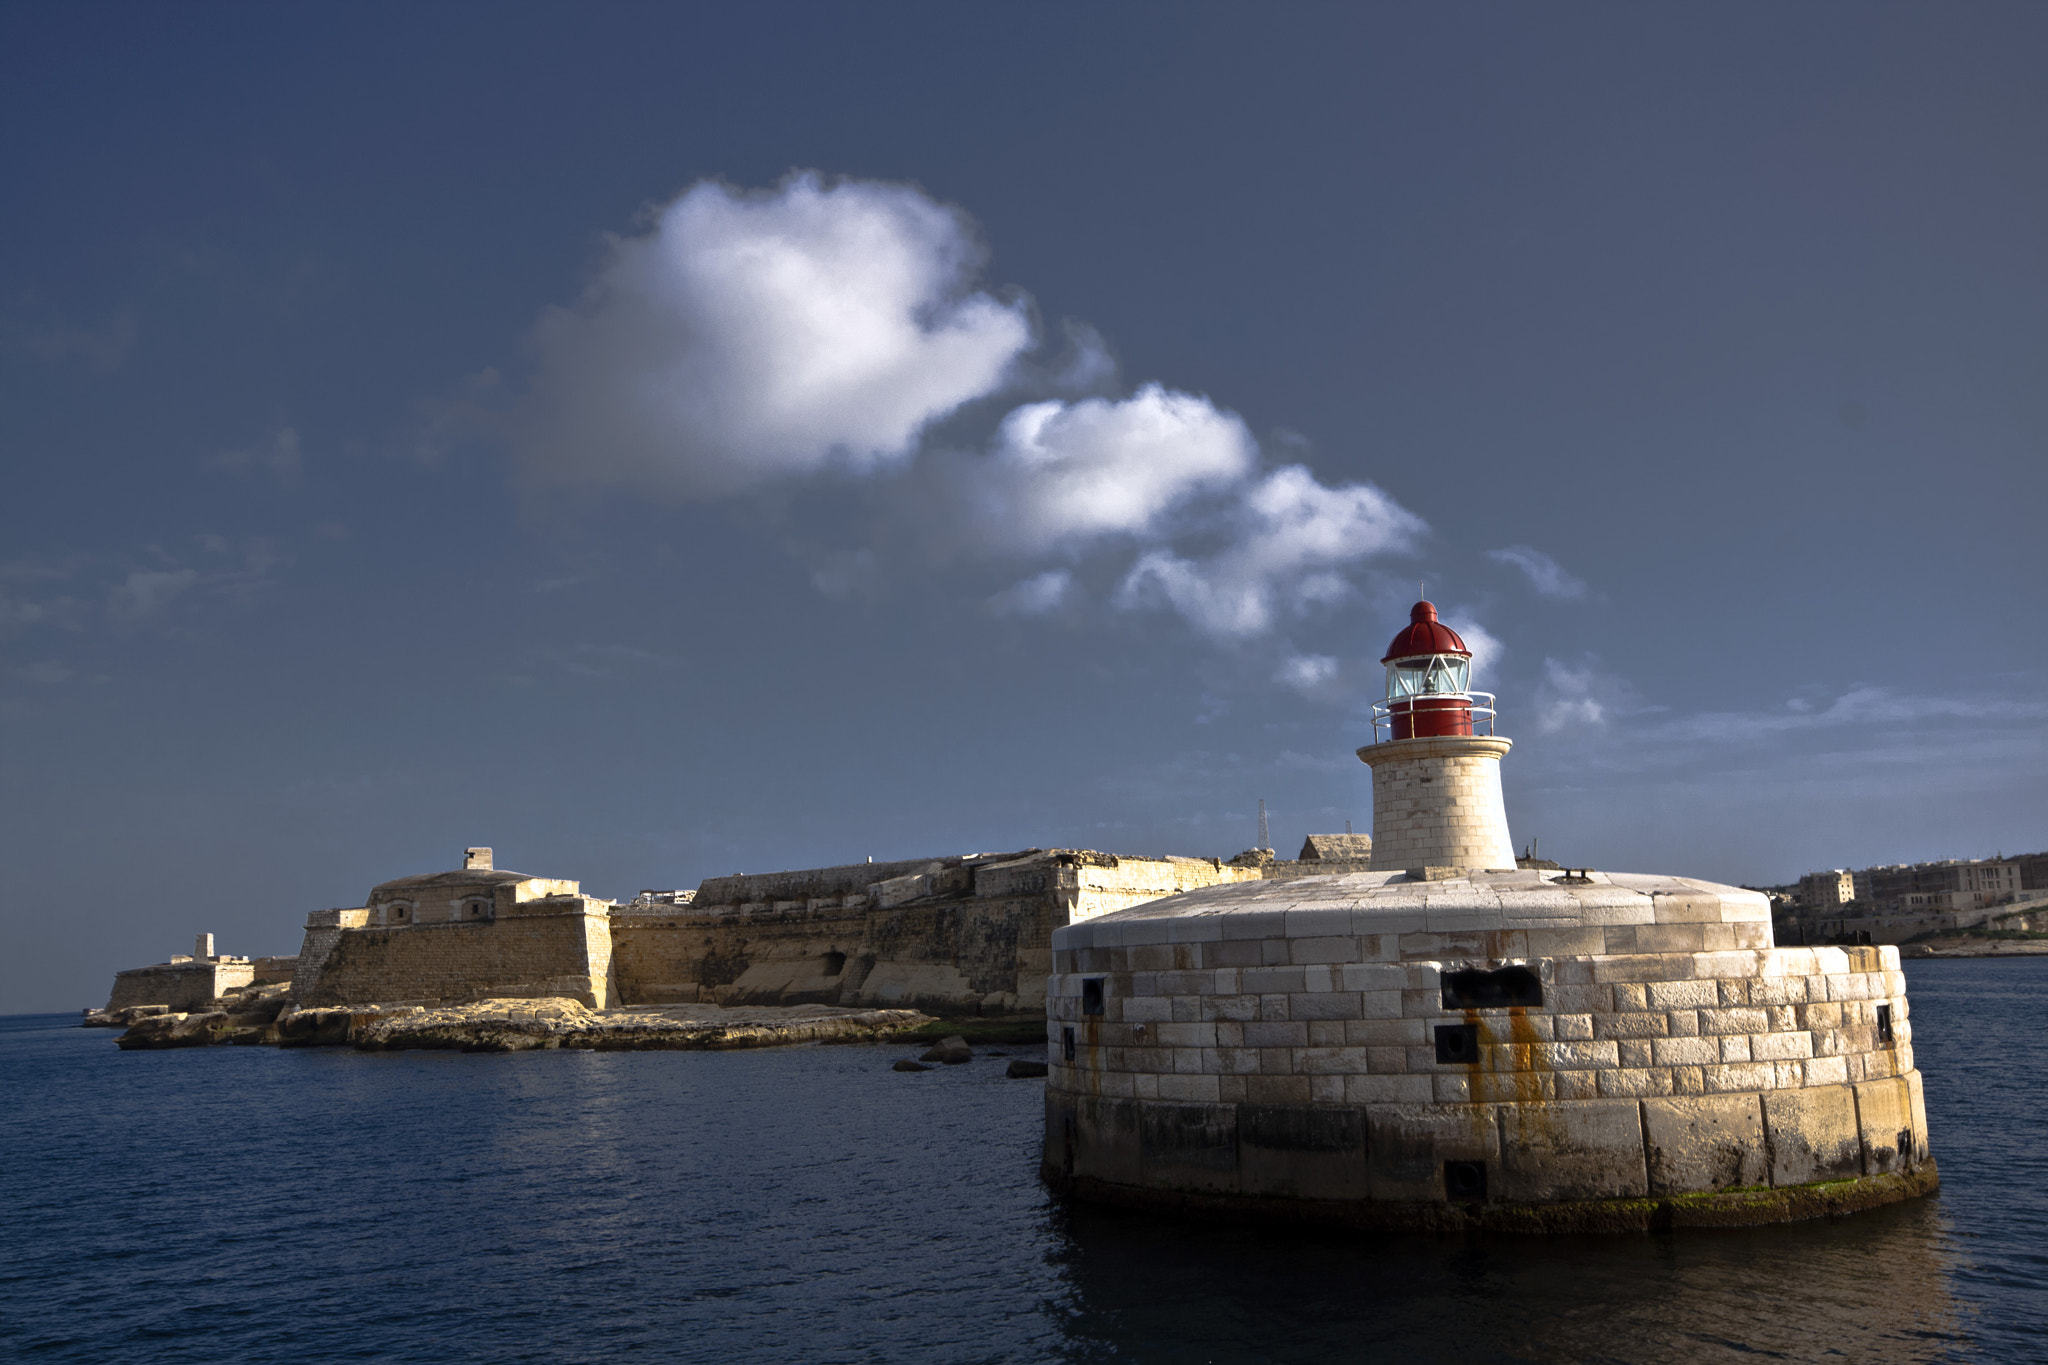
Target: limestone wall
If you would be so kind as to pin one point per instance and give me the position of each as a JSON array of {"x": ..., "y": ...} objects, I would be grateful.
[
  {"x": 323, "y": 930},
  {"x": 1243, "y": 1066},
  {"x": 1437, "y": 803},
  {"x": 1362, "y": 1032},
  {"x": 951, "y": 934},
  {"x": 552, "y": 946},
  {"x": 180, "y": 985}
]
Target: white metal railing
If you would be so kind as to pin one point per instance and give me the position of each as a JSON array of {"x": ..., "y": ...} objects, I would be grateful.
[{"x": 1480, "y": 702}]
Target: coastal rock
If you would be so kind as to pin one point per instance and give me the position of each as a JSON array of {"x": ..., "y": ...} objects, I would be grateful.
[
  {"x": 1021, "y": 1070},
  {"x": 127, "y": 1017},
  {"x": 520, "y": 1025},
  {"x": 907, "y": 1065},
  {"x": 524, "y": 1025},
  {"x": 952, "y": 1051}
]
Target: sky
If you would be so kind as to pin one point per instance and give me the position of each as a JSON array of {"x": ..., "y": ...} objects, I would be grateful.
[{"x": 659, "y": 442}]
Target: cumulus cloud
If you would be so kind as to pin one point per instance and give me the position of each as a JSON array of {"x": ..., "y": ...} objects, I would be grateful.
[
  {"x": 104, "y": 348},
  {"x": 149, "y": 590},
  {"x": 751, "y": 337},
  {"x": 277, "y": 454},
  {"x": 1307, "y": 673},
  {"x": 1545, "y": 574},
  {"x": 1581, "y": 696},
  {"x": 1292, "y": 534},
  {"x": 1486, "y": 647},
  {"x": 1060, "y": 473},
  {"x": 1035, "y": 596}
]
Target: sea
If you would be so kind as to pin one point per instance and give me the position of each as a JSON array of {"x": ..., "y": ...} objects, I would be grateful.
[{"x": 811, "y": 1205}]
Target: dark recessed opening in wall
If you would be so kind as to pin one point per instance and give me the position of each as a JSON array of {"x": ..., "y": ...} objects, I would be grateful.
[
  {"x": 1091, "y": 995},
  {"x": 834, "y": 964},
  {"x": 1067, "y": 1043},
  {"x": 1884, "y": 1023},
  {"x": 1457, "y": 1043},
  {"x": 1905, "y": 1144},
  {"x": 1494, "y": 990},
  {"x": 1465, "y": 1181}
]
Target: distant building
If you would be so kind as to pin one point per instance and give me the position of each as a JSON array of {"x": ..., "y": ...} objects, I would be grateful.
[
  {"x": 1952, "y": 884},
  {"x": 1327, "y": 848},
  {"x": 1820, "y": 891},
  {"x": 188, "y": 983}
]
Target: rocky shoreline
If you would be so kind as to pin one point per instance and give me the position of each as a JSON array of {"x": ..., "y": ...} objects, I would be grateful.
[{"x": 263, "y": 1016}]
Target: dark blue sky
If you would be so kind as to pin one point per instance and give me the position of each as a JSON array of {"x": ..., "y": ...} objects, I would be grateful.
[{"x": 393, "y": 462}]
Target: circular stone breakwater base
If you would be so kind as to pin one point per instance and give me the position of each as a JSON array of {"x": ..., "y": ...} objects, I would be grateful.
[
  {"x": 1727, "y": 1209},
  {"x": 1464, "y": 1049}
]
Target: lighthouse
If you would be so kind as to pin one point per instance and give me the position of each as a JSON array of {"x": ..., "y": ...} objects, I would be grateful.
[
  {"x": 1446, "y": 1040},
  {"x": 1436, "y": 799}
]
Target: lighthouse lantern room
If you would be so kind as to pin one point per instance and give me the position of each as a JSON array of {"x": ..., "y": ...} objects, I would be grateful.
[{"x": 1429, "y": 683}]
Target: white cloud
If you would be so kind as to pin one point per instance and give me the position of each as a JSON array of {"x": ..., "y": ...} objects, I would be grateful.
[
  {"x": 847, "y": 574},
  {"x": 1035, "y": 596},
  {"x": 749, "y": 337},
  {"x": 1308, "y": 673},
  {"x": 278, "y": 454},
  {"x": 147, "y": 590},
  {"x": 104, "y": 349},
  {"x": 1581, "y": 696},
  {"x": 1545, "y": 574},
  {"x": 1291, "y": 535},
  {"x": 48, "y": 671},
  {"x": 1061, "y": 473},
  {"x": 1486, "y": 647},
  {"x": 1865, "y": 706}
]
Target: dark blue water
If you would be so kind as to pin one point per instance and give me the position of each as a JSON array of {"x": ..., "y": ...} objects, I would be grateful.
[{"x": 248, "y": 1204}]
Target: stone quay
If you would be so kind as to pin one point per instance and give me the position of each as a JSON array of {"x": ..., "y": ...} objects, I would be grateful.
[{"x": 1446, "y": 1040}]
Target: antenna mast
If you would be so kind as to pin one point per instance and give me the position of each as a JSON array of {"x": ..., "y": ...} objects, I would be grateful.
[{"x": 1265, "y": 836}]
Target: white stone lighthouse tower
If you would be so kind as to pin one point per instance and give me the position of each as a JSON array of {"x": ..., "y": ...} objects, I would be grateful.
[{"x": 1436, "y": 800}]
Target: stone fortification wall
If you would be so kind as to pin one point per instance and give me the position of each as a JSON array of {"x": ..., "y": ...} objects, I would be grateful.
[
  {"x": 266, "y": 970},
  {"x": 552, "y": 946},
  {"x": 184, "y": 985},
  {"x": 959, "y": 934},
  {"x": 951, "y": 934},
  {"x": 1437, "y": 803},
  {"x": 323, "y": 930},
  {"x": 817, "y": 883}
]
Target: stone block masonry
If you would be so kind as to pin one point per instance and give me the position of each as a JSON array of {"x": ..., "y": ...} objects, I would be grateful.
[
  {"x": 950, "y": 935},
  {"x": 953, "y": 935},
  {"x": 1389, "y": 1050},
  {"x": 1436, "y": 802},
  {"x": 188, "y": 983}
]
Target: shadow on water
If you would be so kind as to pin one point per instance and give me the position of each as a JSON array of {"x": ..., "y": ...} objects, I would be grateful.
[
  {"x": 809, "y": 1204},
  {"x": 1875, "y": 1288}
]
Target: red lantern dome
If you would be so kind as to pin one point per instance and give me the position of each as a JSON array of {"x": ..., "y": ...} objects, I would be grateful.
[
  {"x": 1429, "y": 681},
  {"x": 1424, "y": 635}
]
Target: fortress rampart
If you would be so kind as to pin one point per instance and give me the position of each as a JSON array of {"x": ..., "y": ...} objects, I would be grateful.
[
  {"x": 188, "y": 983},
  {"x": 551, "y": 946},
  {"x": 956, "y": 935}
]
